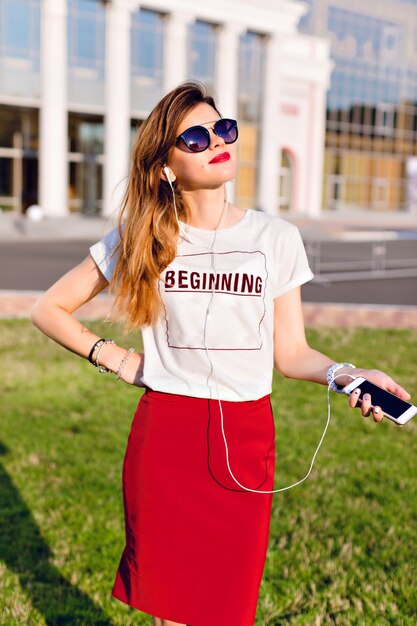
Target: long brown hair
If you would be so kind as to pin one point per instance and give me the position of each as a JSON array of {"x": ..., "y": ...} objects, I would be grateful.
[{"x": 147, "y": 224}]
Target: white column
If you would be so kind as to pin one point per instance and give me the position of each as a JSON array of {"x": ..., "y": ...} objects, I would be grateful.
[
  {"x": 227, "y": 75},
  {"x": 269, "y": 154},
  {"x": 53, "y": 166},
  {"x": 117, "y": 106},
  {"x": 176, "y": 49},
  {"x": 313, "y": 203},
  {"x": 227, "y": 68}
]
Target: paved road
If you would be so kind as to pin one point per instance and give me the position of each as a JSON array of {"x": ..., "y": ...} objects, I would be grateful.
[
  {"x": 394, "y": 291},
  {"x": 34, "y": 265}
]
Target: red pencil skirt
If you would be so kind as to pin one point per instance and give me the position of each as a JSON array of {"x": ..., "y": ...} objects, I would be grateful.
[{"x": 195, "y": 541}]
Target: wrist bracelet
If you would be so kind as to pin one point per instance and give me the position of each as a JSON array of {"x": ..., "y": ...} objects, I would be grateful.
[
  {"x": 97, "y": 347},
  {"x": 97, "y": 344},
  {"x": 101, "y": 368},
  {"x": 331, "y": 374},
  {"x": 123, "y": 363}
]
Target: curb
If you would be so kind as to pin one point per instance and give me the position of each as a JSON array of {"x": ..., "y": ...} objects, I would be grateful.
[
  {"x": 359, "y": 315},
  {"x": 18, "y": 305}
]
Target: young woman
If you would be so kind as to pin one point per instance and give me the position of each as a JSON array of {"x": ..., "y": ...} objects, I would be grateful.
[{"x": 216, "y": 292}]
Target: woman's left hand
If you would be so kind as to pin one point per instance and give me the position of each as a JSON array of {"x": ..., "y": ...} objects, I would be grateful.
[{"x": 382, "y": 380}]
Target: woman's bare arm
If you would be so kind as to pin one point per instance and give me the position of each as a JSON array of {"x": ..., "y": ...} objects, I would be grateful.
[
  {"x": 52, "y": 314},
  {"x": 294, "y": 358}
]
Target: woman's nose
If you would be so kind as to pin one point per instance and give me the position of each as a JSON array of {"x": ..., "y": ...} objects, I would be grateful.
[{"x": 215, "y": 140}]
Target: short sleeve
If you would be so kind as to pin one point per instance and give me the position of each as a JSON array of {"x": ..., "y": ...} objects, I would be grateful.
[
  {"x": 103, "y": 255},
  {"x": 291, "y": 264}
]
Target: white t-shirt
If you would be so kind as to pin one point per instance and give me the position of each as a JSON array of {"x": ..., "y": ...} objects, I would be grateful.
[{"x": 217, "y": 322}]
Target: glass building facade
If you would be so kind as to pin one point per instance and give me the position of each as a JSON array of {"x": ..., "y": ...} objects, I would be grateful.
[{"x": 371, "y": 127}]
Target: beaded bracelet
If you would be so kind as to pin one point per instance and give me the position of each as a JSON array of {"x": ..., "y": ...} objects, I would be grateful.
[
  {"x": 332, "y": 371},
  {"x": 101, "y": 368},
  {"x": 94, "y": 361},
  {"x": 123, "y": 363}
]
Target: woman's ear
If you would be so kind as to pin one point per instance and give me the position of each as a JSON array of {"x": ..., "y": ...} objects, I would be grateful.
[{"x": 167, "y": 174}]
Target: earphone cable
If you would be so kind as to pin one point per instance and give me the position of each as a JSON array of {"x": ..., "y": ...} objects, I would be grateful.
[
  {"x": 213, "y": 373},
  {"x": 312, "y": 460}
]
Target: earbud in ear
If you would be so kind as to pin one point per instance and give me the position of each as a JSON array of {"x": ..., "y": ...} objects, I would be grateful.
[
  {"x": 183, "y": 233},
  {"x": 167, "y": 174}
]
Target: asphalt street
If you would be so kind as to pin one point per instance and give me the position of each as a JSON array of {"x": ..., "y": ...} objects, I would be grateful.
[{"x": 35, "y": 265}]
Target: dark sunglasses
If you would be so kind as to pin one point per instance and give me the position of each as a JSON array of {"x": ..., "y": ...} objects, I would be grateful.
[{"x": 197, "y": 138}]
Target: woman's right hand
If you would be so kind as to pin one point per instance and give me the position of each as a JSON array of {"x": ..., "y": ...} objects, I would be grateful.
[
  {"x": 127, "y": 365},
  {"x": 132, "y": 371}
]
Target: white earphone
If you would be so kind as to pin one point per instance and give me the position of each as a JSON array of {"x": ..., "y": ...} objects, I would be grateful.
[
  {"x": 166, "y": 172},
  {"x": 183, "y": 233}
]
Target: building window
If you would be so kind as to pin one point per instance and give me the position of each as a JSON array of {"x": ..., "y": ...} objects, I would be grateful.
[
  {"x": 286, "y": 177},
  {"x": 86, "y": 52},
  {"x": 251, "y": 72},
  {"x": 86, "y": 145},
  {"x": 365, "y": 180},
  {"x": 20, "y": 47},
  {"x": 247, "y": 177},
  {"x": 385, "y": 120},
  {"x": 147, "y": 59},
  {"x": 135, "y": 125},
  {"x": 304, "y": 24},
  {"x": 391, "y": 43},
  {"x": 19, "y": 29},
  {"x": 202, "y": 57},
  {"x": 19, "y": 132},
  {"x": 86, "y": 30}
]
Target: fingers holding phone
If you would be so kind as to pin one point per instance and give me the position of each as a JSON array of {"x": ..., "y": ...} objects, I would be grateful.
[
  {"x": 365, "y": 404},
  {"x": 362, "y": 393}
]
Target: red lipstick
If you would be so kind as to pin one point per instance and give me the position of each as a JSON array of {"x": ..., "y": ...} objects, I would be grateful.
[{"x": 220, "y": 158}]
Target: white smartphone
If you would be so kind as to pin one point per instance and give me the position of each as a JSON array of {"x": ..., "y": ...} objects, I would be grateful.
[{"x": 397, "y": 410}]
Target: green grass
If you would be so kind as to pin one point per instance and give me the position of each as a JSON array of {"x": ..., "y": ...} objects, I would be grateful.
[{"x": 343, "y": 545}]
